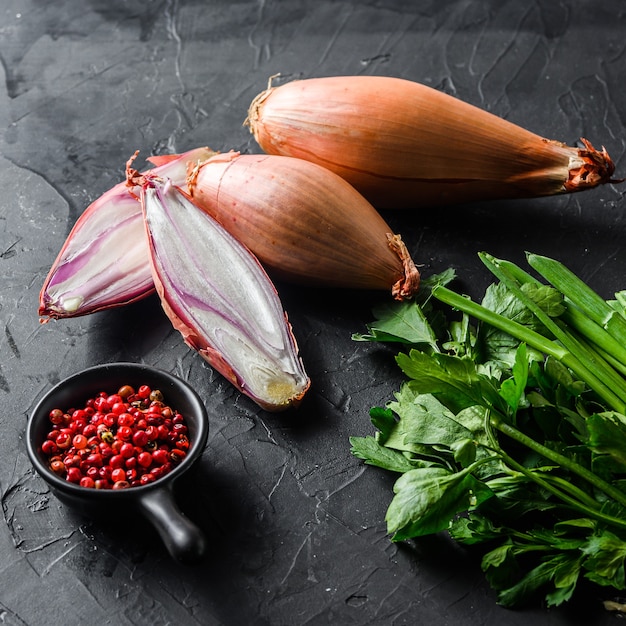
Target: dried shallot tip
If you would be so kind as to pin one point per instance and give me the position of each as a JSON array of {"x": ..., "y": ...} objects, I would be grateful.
[
  {"x": 104, "y": 262},
  {"x": 403, "y": 144},
  {"x": 219, "y": 297},
  {"x": 303, "y": 222},
  {"x": 409, "y": 284},
  {"x": 590, "y": 168}
]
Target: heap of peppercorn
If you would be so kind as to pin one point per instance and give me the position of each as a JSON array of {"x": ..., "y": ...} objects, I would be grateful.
[{"x": 119, "y": 440}]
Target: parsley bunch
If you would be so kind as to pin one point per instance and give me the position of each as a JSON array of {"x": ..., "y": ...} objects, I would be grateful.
[{"x": 510, "y": 430}]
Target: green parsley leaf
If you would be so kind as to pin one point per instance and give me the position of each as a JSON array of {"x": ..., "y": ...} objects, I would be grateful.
[
  {"x": 607, "y": 436},
  {"x": 537, "y": 578},
  {"x": 427, "y": 498},
  {"x": 368, "y": 449},
  {"x": 453, "y": 380},
  {"x": 512, "y": 389},
  {"x": 605, "y": 563},
  {"x": 402, "y": 322}
]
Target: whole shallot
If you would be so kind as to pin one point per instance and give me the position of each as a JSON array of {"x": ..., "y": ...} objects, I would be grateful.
[
  {"x": 403, "y": 144},
  {"x": 303, "y": 222}
]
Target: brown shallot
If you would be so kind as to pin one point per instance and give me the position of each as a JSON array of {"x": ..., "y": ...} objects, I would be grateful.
[
  {"x": 303, "y": 222},
  {"x": 403, "y": 144}
]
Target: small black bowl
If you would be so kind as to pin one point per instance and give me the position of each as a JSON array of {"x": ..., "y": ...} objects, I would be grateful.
[{"x": 155, "y": 501}]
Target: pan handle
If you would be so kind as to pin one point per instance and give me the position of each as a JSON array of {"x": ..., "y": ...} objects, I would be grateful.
[{"x": 182, "y": 538}]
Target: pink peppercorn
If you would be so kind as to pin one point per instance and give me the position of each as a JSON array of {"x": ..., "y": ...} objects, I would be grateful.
[{"x": 116, "y": 440}]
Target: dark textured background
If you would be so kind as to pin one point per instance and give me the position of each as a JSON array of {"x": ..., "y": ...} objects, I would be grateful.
[{"x": 295, "y": 522}]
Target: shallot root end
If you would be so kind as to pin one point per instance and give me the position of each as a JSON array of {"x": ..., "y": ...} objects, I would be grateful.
[
  {"x": 408, "y": 285},
  {"x": 594, "y": 168},
  {"x": 133, "y": 177}
]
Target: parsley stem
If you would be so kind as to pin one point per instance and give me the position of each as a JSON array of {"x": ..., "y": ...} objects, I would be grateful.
[
  {"x": 587, "y": 327},
  {"x": 570, "y": 500},
  {"x": 572, "y": 489},
  {"x": 568, "y": 493},
  {"x": 533, "y": 339},
  {"x": 579, "y": 497},
  {"x": 514, "y": 469},
  {"x": 577, "y": 291},
  {"x": 616, "y": 494},
  {"x": 582, "y": 322},
  {"x": 589, "y": 359}
]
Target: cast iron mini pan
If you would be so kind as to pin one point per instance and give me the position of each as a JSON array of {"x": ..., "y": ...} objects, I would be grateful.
[{"x": 155, "y": 501}]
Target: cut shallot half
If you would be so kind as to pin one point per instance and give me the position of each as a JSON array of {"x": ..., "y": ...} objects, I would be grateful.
[
  {"x": 219, "y": 297},
  {"x": 104, "y": 261}
]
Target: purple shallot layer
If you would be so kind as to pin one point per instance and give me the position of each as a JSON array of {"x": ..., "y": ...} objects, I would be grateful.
[{"x": 104, "y": 261}]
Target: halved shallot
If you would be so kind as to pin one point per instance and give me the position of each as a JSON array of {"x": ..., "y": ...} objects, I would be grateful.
[
  {"x": 219, "y": 297},
  {"x": 403, "y": 144},
  {"x": 303, "y": 222},
  {"x": 104, "y": 261}
]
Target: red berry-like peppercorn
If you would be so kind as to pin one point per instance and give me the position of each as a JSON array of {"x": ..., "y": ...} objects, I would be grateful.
[
  {"x": 49, "y": 448},
  {"x": 160, "y": 456},
  {"x": 176, "y": 455},
  {"x": 118, "y": 474},
  {"x": 79, "y": 441},
  {"x": 125, "y": 419},
  {"x": 95, "y": 459},
  {"x": 89, "y": 430},
  {"x": 179, "y": 429},
  {"x": 114, "y": 398},
  {"x": 100, "y": 404},
  {"x": 63, "y": 440},
  {"x": 127, "y": 450},
  {"x": 74, "y": 474},
  {"x": 57, "y": 467},
  {"x": 56, "y": 416},
  {"x": 124, "y": 432},
  {"x": 71, "y": 460},
  {"x": 182, "y": 443},
  {"x": 79, "y": 414},
  {"x": 144, "y": 459},
  {"x": 143, "y": 392},
  {"x": 105, "y": 450},
  {"x": 117, "y": 460},
  {"x": 140, "y": 439}
]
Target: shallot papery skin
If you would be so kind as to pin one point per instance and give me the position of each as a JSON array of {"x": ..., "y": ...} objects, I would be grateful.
[
  {"x": 104, "y": 262},
  {"x": 219, "y": 297},
  {"x": 403, "y": 144},
  {"x": 303, "y": 222}
]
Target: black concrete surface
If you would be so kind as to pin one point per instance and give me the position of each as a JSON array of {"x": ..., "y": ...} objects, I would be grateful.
[{"x": 295, "y": 523}]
